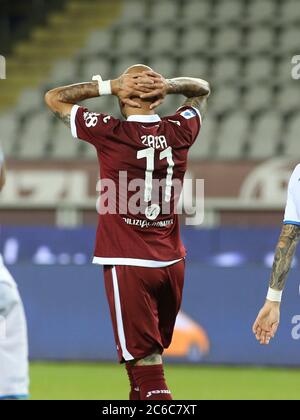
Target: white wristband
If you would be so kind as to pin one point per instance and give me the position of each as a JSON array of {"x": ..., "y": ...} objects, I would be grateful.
[
  {"x": 274, "y": 295},
  {"x": 104, "y": 85}
]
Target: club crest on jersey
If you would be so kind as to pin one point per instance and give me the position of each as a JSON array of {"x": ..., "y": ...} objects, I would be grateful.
[
  {"x": 152, "y": 211},
  {"x": 188, "y": 114}
]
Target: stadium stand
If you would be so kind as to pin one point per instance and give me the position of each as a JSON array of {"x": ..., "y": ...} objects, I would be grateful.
[{"x": 243, "y": 47}]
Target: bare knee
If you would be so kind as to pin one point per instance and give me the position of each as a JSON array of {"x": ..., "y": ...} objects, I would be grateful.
[{"x": 152, "y": 359}]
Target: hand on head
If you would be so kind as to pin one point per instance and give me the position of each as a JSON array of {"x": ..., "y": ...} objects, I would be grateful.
[{"x": 144, "y": 85}]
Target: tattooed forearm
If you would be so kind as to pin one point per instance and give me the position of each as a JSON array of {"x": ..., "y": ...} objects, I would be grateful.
[
  {"x": 285, "y": 252},
  {"x": 188, "y": 87},
  {"x": 76, "y": 93}
]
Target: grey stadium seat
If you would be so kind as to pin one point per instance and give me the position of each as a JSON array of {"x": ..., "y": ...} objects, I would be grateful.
[
  {"x": 29, "y": 100},
  {"x": 195, "y": 11},
  {"x": 63, "y": 144},
  {"x": 193, "y": 67},
  {"x": 164, "y": 65},
  {"x": 194, "y": 40},
  {"x": 260, "y": 39},
  {"x": 232, "y": 136},
  {"x": 289, "y": 40},
  {"x": 258, "y": 98},
  {"x": 64, "y": 71},
  {"x": 33, "y": 140},
  {"x": 122, "y": 64},
  {"x": 203, "y": 146},
  {"x": 133, "y": 11},
  {"x": 291, "y": 138},
  {"x": 229, "y": 11},
  {"x": 261, "y": 10},
  {"x": 226, "y": 70},
  {"x": 288, "y": 98},
  {"x": 98, "y": 42},
  {"x": 8, "y": 132},
  {"x": 164, "y": 11},
  {"x": 228, "y": 40},
  {"x": 162, "y": 40},
  {"x": 284, "y": 70},
  {"x": 94, "y": 67},
  {"x": 130, "y": 41},
  {"x": 290, "y": 11},
  {"x": 224, "y": 99},
  {"x": 265, "y": 135},
  {"x": 259, "y": 69}
]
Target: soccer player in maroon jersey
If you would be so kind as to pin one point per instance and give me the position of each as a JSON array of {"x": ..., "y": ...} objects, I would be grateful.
[{"x": 140, "y": 250}]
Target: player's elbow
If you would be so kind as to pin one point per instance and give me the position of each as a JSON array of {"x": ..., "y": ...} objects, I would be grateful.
[
  {"x": 51, "y": 99},
  {"x": 207, "y": 88}
]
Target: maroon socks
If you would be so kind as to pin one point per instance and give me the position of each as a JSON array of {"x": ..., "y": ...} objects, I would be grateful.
[
  {"x": 151, "y": 382},
  {"x": 134, "y": 389}
]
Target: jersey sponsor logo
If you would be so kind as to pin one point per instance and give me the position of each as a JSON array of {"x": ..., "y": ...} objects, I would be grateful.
[
  {"x": 152, "y": 211},
  {"x": 188, "y": 114},
  {"x": 145, "y": 224},
  {"x": 91, "y": 119}
]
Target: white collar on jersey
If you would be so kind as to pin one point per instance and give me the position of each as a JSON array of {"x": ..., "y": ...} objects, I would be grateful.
[{"x": 144, "y": 118}]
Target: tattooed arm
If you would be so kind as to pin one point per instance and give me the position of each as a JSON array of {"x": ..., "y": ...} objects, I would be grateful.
[
  {"x": 61, "y": 100},
  {"x": 196, "y": 90},
  {"x": 267, "y": 322},
  {"x": 285, "y": 252}
]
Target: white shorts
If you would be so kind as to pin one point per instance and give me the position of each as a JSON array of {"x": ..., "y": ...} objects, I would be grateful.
[{"x": 14, "y": 372}]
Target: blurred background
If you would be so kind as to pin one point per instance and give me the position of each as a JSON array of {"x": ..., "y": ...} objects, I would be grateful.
[{"x": 246, "y": 151}]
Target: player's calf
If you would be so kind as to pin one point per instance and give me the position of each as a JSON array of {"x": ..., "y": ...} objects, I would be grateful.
[{"x": 148, "y": 375}]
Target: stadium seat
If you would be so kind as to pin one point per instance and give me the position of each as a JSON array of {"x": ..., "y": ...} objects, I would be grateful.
[
  {"x": 258, "y": 98},
  {"x": 290, "y": 11},
  {"x": 261, "y": 10},
  {"x": 224, "y": 99},
  {"x": 122, "y": 64},
  {"x": 35, "y": 133},
  {"x": 63, "y": 144},
  {"x": 259, "y": 40},
  {"x": 130, "y": 41},
  {"x": 265, "y": 135},
  {"x": 259, "y": 69},
  {"x": 203, "y": 146},
  {"x": 162, "y": 41},
  {"x": 164, "y": 11},
  {"x": 288, "y": 98},
  {"x": 193, "y": 67},
  {"x": 229, "y": 11},
  {"x": 291, "y": 139},
  {"x": 133, "y": 11},
  {"x": 98, "y": 42},
  {"x": 164, "y": 65},
  {"x": 64, "y": 71},
  {"x": 194, "y": 40},
  {"x": 228, "y": 40},
  {"x": 29, "y": 100},
  {"x": 194, "y": 11},
  {"x": 96, "y": 66},
  {"x": 226, "y": 70},
  {"x": 232, "y": 135},
  {"x": 289, "y": 41},
  {"x": 8, "y": 131}
]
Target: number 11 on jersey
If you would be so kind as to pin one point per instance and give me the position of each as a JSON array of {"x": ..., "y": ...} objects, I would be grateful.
[{"x": 149, "y": 154}]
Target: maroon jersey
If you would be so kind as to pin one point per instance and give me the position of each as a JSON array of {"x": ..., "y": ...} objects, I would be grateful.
[{"x": 139, "y": 159}]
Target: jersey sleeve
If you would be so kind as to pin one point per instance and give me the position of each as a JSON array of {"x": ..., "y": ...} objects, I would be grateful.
[
  {"x": 292, "y": 210},
  {"x": 92, "y": 127},
  {"x": 189, "y": 119}
]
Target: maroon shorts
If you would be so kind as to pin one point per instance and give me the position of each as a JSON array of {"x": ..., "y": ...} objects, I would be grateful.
[{"x": 144, "y": 303}]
